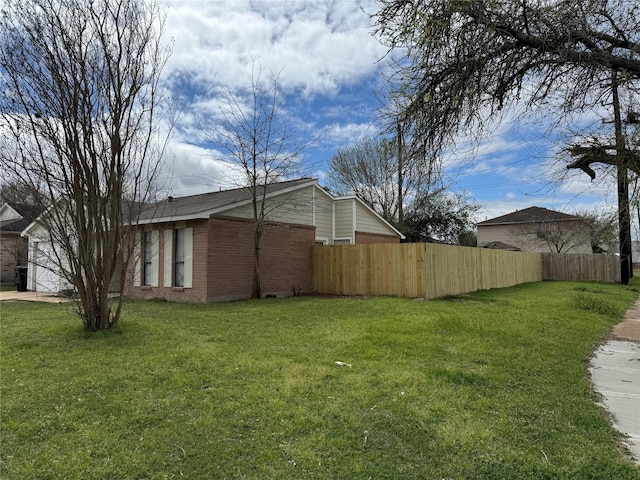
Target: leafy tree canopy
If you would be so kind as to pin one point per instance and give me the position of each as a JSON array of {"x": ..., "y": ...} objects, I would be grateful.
[{"x": 465, "y": 60}]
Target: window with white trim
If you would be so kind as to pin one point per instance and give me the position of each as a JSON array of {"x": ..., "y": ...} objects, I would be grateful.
[
  {"x": 147, "y": 258},
  {"x": 178, "y": 257},
  {"x": 178, "y": 264}
]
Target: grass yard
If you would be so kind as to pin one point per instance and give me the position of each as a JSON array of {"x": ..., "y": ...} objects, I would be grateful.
[{"x": 492, "y": 385}]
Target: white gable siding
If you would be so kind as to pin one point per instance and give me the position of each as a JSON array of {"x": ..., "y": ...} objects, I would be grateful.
[
  {"x": 323, "y": 216},
  {"x": 368, "y": 222},
  {"x": 8, "y": 213},
  {"x": 344, "y": 210},
  {"x": 294, "y": 207}
]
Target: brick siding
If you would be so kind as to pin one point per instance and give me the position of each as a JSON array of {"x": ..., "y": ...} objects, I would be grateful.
[
  {"x": 198, "y": 293},
  {"x": 285, "y": 258}
]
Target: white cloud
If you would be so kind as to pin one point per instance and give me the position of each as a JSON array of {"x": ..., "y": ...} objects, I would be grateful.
[
  {"x": 318, "y": 46},
  {"x": 193, "y": 169}
]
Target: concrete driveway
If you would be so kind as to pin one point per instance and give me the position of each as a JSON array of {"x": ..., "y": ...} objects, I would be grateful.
[{"x": 31, "y": 297}]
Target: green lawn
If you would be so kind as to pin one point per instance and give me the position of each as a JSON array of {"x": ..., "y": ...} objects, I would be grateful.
[{"x": 492, "y": 385}]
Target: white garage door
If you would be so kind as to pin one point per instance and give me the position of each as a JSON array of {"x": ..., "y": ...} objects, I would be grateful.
[{"x": 44, "y": 274}]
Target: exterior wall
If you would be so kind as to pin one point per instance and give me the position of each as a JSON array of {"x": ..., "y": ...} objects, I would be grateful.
[
  {"x": 366, "y": 222},
  {"x": 285, "y": 259},
  {"x": 344, "y": 218},
  {"x": 198, "y": 291},
  {"x": 323, "y": 215},
  {"x": 525, "y": 236},
  {"x": 12, "y": 249},
  {"x": 294, "y": 207},
  {"x": 364, "y": 237}
]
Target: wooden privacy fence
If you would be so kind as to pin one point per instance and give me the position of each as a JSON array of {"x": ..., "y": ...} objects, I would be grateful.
[
  {"x": 428, "y": 270},
  {"x": 581, "y": 266}
]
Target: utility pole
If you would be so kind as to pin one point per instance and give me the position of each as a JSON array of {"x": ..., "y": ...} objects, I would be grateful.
[
  {"x": 624, "y": 217},
  {"x": 400, "y": 178}
]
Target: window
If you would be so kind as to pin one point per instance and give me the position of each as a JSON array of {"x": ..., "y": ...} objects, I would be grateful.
[
  {"x": 178, "y": 256},
  {"x": 147, "y": 259},
  {"x": 342, "y": 241},
  {"x": 178, "y": 266}
]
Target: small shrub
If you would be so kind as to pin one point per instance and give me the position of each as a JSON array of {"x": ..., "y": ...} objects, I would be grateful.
[{"x": 590, "y": 303}]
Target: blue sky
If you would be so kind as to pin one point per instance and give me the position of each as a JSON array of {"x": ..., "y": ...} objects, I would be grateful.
[{"x": 331, "y": 76}]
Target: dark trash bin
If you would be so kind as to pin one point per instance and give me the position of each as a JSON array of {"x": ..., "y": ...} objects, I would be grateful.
[{"x": 21, "y": 278}]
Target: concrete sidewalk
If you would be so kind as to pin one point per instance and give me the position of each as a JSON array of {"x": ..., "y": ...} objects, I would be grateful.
[
  {"x": 615, "y": 373},
  {"x": 31, "y": 297}
]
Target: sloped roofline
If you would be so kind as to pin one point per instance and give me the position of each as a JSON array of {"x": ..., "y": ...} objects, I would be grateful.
[
  {"x": 530, "y": 215},
  {"x": 204, "y": 212}
]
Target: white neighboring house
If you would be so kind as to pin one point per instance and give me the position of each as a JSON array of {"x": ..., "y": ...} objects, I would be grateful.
[{"x": 43, "y": 273}]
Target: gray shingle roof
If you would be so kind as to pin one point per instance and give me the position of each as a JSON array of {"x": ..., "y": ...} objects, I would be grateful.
[
  {"x": 199, "y": 206},
  {"x": 29, "y": 214},
  {"x": 530, "y": 215}
]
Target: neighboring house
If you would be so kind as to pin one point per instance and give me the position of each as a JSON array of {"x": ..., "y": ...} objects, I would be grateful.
[
  {"x": 635, "y": 252},
  {"x": 44, "y": 258},
  {"x": 200, "y": 247},
  {"x": 13, "y": 248},
  {"x": 536, "y": 229}
]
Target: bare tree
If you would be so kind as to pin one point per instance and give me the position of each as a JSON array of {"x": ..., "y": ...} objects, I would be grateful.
[
  {"x": 79, "y": 116},
  {"x": 374, "y": 170},
  {"x": 17, "y": 192},
  {"x": 255, "y": 136}
]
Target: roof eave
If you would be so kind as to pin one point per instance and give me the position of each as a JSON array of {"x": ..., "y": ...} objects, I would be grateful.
[{"x": 203, "y": 214}]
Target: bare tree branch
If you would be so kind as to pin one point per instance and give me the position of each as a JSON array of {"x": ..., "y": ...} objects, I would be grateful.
[{"x": 79, "y": 119}]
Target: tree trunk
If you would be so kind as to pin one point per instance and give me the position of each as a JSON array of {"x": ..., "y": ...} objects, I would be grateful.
[{"x": 256, "y": 290}]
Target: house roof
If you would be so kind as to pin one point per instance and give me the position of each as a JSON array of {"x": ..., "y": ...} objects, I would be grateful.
[
  {"x": 28, "y": 213},
  {"x": 530, "y": 215},
  {"x": 207, "y": 204},
  {"x": 175, "y": 209},
  {"x": 500, "y": 246}
]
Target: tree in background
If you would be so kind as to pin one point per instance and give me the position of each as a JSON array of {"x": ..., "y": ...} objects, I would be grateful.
[
  {"x": 440, "y": 216},
  {"x": 253, "y": 135},
  {"x": 17, "y": 191},
  {"x": 371, "y": 169},
  {"x": 402, "y": 193},
  {"x": 79, "y": 116},
  {"x": 602, "y": 229},
  {"x": 463, "y": 62},
  {"x": 468, "y": 238}
]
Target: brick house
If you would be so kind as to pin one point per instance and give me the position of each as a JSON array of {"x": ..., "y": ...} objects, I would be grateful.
[
  {"x": 200, "y": 248},
  {"x": 536, "y": 229}
]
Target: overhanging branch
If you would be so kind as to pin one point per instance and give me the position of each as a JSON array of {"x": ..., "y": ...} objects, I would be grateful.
[{"x": 585, "y": 156}]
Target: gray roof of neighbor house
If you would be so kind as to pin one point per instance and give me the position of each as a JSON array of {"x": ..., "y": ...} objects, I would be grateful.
[
  {"x": 500, "y": 246},
  {"x": 530, "y": 215},
  {"x": 28, "y": 214},
  {"x": 201, "y": 206}
]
